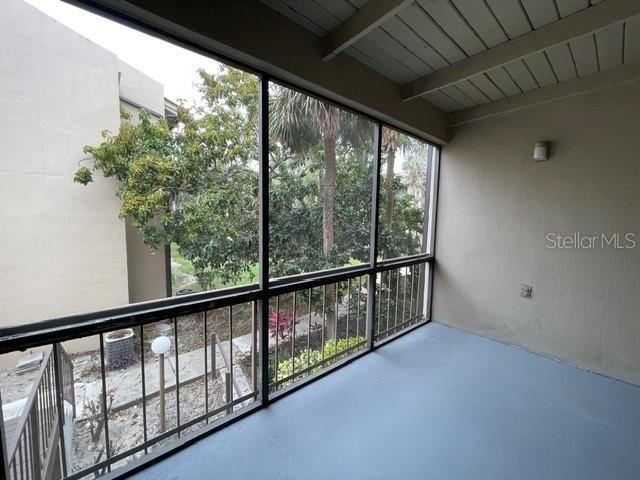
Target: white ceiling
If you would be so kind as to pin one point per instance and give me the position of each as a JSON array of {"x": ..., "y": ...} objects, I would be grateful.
[{"x": 430, "y": 35}]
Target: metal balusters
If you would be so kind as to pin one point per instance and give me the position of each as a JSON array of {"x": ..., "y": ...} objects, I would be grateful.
[
  {"x": 358, "y": 307},
  {"x": 336, "y": 316},
  {"x": 206, "y": 367},
  {"x": 395, "y": 318},
  {"x": 379, "y": 291},
  {"x": 104, "y": 402},
  {"x": 348, "y": 307},
  {"x": 309, "y": 329},
  {"x": 230, "y": 387},
  {"x": 293, "y": 333},
  {"x": 388, "y": 302},
  {"x": 60, "y": 406},
  {"x": 145, "y": 434},
  {"x": 324, "y": 318},
  {"x": 404, "y": 294},
  {"x": 399, "y": 289},
  {"x": 177, "y": 372},
  {"x": 277, "y": 333},
  {"x": 254, "y": 343},
  {"x": 413, "y": 274},
  {"x": 420, "y": 300},
  {"x": 228, "y": 392}
]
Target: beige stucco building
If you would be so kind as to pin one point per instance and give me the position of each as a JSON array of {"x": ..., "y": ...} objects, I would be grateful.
[{"x": 64, "y": 248}]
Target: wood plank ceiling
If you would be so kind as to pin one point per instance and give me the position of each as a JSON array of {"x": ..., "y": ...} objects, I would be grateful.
[{"x": 430, "y": 35}]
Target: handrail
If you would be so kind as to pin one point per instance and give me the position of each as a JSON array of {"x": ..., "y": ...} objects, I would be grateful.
[
  {"x": 30, "y": 442},
  {"x": 61, "y": 329},
  {"x": 44, "y": 365},
  {"x": 37, "y": 428},
  {"x": 67, "y": 328}
]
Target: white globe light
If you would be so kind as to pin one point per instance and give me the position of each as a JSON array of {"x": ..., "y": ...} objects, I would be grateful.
[{"x": 161, "y": 345}]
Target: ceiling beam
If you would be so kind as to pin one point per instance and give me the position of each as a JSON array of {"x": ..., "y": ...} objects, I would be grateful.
[
  {"x": 576, "y": 25},
  {"x": 372, "y": 14},
  {"x": 578, "y": 86}
]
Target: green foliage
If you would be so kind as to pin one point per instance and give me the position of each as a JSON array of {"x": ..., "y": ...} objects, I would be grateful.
[
  {"x": 83, "y": 175},
  {"x": 314, "y": 357},
  {"x": 195, "y": 184}
]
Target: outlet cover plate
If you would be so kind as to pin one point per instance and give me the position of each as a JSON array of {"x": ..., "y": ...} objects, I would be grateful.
[{"x": 526, "y": 291}]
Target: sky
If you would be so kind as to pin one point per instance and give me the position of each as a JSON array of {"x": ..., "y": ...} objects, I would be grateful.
[
  {"x": 174, "y": 67},
  {"x": 166, "y": 63}
]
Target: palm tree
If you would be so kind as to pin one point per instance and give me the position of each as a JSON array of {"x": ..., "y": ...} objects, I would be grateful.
[
  {"x": 300, "y": 122},
  {"x": 416, "y": 174},
  {"x": 392, "y": 140}
]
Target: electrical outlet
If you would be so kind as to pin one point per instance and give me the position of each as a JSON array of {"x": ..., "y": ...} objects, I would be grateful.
[{"x": 526, "y": 291}]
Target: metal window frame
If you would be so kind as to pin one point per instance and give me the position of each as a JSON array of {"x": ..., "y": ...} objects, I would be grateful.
[{"x": 52, "y": 331}]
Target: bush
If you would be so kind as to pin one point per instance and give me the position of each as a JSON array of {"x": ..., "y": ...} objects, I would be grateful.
[{"x": 314, "y": 357}]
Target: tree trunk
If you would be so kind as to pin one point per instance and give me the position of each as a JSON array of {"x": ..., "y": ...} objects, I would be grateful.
[
  {"x": 328, "y": 232},
  {"x": 391, "y": 160},
  {"x": 388, "y": 217},
  {"x": 329, "y": 194}
]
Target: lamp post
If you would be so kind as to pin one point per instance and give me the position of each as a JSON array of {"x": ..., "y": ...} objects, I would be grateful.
[{"x": 160, "y": 346}]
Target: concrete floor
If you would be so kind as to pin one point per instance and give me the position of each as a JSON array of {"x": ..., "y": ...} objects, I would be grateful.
[{"x": 437, "y": 403}]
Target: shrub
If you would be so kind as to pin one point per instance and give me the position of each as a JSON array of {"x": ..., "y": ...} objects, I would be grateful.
[
  {"x": 280, "y": 324},
  {"x": 332, "y": 350}
]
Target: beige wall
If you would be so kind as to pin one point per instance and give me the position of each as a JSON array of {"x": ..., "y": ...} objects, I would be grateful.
[
  {"x": 63, "y": 245},
  {"x": 147, "y": 279},
  {"x": 64, "y": 249},
  {"x": 147, "y": 268},
  {"x": 496, "y": 206}
]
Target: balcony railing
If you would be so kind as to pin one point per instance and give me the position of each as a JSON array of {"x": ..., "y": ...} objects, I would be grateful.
[
  {"x": 400, "y": 300},
  {"x": 33, "y": 436},
  {"x": 209, "y": 372}
]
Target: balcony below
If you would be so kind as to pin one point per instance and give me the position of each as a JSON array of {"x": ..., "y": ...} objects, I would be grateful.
[{"x": 437, "y": 403}]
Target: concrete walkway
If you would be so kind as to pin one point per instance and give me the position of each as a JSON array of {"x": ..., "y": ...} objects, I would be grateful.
[
  {"x": 435, "y": 404},
  {"x": 126, "y": 387}
]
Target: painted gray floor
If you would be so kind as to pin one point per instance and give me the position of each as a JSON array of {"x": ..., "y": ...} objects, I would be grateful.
[{"x": 437, "y": 403}]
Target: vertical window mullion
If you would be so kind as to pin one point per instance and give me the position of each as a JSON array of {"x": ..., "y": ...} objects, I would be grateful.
[
  {"x": 373, "y": 258},
  {"x": 433, "y": 208},
  {"x": 263, "y": 232}
]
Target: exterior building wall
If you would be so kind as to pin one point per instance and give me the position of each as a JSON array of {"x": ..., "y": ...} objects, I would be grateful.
[
  {"x": 140, "y": 91},
  {"x": 147, "y": 269},
  {"x": 64, "y": 248},
  {"x": 497, "y": 206}
]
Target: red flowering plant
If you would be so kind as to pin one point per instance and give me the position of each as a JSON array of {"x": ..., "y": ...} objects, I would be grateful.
[{"x": 280, "y": 324}]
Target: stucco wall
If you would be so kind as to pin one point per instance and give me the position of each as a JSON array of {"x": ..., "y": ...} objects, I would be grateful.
[
  {"x": 140, "y": 90},
  {"x": 147, "y": 277},
  {"x": 496, "y": 206},
  {"x": 63, "y": 245},
  {"x": 147, "y": 268}
]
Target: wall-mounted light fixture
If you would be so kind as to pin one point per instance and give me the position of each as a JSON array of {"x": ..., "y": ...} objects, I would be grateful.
[{"x": 541, "y": 151}]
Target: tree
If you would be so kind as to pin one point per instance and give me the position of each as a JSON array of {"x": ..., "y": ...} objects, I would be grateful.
[
  {"x": 300, "y": 123},
  {"x": 392, "y": 140},
  {"x": 304, "y": 125},
  {"x": 194, "y": 185}
]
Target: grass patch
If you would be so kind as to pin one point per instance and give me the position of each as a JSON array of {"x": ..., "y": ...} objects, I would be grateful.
[{"x": 183, "y": 275}]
